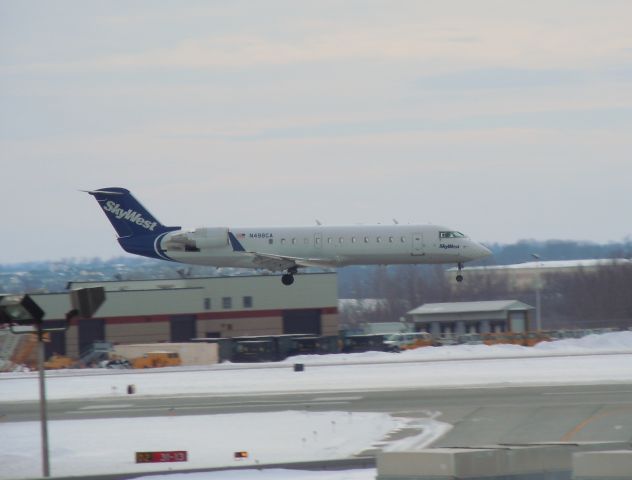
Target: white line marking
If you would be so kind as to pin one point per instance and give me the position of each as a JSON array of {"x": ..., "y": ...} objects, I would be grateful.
[
  {"x": 603, "y": 392},
  {"x": 107, "y": 407},
  {"x": 339, "y": 399},
  {"x": 202, "y": 407}
]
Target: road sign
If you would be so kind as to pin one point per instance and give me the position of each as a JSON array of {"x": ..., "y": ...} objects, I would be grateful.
[{"x": 161, "y": 457}]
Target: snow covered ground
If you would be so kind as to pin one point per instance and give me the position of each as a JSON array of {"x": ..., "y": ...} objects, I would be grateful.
[
  {"x": 92, "y": 446},
  {"x": 273, "y": 474},
  {"x": 596, "y": 358},
  {"x": 109, "y": 445}
]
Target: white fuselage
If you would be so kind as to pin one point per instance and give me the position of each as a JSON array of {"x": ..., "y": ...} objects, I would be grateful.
[{"x": 325, "y": 245}]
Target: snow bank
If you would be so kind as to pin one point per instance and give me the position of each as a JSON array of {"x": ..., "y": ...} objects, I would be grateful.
[{"x": 604, "y": 343}]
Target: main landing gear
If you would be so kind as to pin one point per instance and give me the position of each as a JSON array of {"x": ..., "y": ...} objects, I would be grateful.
[
  {"x": 288, "y": 278},
  {"x": 459, "y": 277}
]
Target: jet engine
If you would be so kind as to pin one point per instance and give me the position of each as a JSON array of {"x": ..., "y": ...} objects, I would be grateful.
[{"x": 197, "y": 239}]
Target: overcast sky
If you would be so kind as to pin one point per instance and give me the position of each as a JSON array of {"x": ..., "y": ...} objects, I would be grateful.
[{"x": 505, "y": 120}]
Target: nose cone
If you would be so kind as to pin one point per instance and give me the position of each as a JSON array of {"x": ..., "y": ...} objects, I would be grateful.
[{"x": 476, "y": 251}]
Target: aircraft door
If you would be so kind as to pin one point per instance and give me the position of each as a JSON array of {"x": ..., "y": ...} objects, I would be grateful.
[
  {"x": 318, "y": 240},
  {"x": 418, "y": 244}
]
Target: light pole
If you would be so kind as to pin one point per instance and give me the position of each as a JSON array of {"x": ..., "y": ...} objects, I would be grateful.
[
  {"x": 21, "y": 311},
  {"x": 538, "y": 288},
  {"x": 41, "y": 356}
]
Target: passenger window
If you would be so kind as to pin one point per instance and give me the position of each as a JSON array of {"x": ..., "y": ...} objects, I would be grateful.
[
  {"x": 294, "y": 241},
  {"x": 353, "y": 239},
  {"x": 378, "y": 239},
  {"x": 283, "y": 241},
  {"x": 366, "y": 239},
  {"x": 329, "y": 240},
  {"x": 403, "y": 239},
  {"x": 390, "y": 239},
  {"x": 341, "y": 240},
  {"x": 270, "y": 241}
]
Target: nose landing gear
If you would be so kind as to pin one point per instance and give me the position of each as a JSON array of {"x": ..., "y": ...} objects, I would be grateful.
[{"x": 459, "y": 277}]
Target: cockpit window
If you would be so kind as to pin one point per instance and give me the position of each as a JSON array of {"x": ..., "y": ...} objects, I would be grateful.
[{"x": 451, "y": 235}]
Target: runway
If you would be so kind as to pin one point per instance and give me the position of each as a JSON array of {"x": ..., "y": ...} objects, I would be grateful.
[{"x": 480, "y": 415}]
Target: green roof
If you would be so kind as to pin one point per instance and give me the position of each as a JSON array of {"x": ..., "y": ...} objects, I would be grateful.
[{"x": 469, "y": 307}]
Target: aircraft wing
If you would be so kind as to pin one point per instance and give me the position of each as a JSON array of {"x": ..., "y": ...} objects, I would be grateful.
[{"x": 280, "y": 262}]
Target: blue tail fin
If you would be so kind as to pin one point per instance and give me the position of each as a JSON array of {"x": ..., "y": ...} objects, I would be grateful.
[{"x": 138, "y": 230}]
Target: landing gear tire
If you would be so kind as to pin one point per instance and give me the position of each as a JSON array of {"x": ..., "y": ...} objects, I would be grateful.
[
  {"x": 459, "y": 277},
  {"x": 287, "y": 279}
]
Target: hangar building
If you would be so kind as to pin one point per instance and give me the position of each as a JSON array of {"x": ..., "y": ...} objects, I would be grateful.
[
  {"x": 177, "y": 310},
  {"x": 460, "y": 318}
]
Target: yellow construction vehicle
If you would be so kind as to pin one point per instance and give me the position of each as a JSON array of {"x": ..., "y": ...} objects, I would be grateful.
[
  {"x": 26, "y": 351},
  {"x": 533, "y": 338},
  {"x": 157, "y": 359},
  {"x": 59, "y": 361}
]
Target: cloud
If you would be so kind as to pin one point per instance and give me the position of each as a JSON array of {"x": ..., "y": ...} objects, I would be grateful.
[
  {"x": 571, "y": 119},
  {"x": 431, "y": 37},
  {"x": 500, "y": 78}
]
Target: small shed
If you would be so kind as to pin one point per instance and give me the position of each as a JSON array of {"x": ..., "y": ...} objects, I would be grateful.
[{"x": 472, "y": 317}]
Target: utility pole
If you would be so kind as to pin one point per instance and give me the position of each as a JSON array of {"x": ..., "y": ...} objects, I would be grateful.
[
  {"x": 42, "y": 398},
  {"x": 538, "y": 289},
  {"x": 22, "y": 311}
]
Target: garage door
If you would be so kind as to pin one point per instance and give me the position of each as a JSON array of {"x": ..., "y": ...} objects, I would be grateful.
[{"x": 302, "y": 321}]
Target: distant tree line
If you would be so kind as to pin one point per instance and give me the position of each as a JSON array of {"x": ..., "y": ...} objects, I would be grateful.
[
  {"x": 556, "y": 250},
  {"x": 588, "y": 299},
  {"x": 581, "y": 298}
]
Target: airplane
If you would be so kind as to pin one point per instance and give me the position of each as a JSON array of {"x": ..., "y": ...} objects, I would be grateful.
[{"x": 283, "y": 249}]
